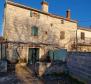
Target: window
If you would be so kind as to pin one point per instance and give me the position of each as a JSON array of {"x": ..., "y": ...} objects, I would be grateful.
[
  {"x": 34, "y": 31},
  {"x": 62, "y": 21},
  {"x": 62, "y": 35},
  {"x": 46, "y": 32},
  {"x": 82, "y": 35},
  {"x": 51, "y": 24},
  {"x": 30, "y": 13},
  {"x": 34, "y": 14},
  {"x": 38, "y": 15}
]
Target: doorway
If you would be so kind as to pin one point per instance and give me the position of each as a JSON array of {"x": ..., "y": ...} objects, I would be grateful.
[{"x": 33, "y": 55}]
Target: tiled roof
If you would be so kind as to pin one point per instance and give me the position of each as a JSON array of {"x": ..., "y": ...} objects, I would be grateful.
[{"x": 84, "y": 28}]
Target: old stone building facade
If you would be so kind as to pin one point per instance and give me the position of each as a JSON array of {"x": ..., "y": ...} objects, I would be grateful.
[
  {"x": 29, "y": 35},
  {"x": 30, "y": 31}
]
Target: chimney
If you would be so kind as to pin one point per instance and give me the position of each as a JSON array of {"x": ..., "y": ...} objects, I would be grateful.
[
  {"x": 44, "y": 6},
  {"x": 68, "y": 14}
]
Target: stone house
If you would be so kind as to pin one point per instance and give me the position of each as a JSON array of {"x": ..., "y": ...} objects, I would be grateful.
[{"x": 31, "y": 33}]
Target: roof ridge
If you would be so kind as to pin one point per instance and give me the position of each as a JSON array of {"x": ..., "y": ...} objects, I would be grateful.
[
  {"x": 30, "y": 8},
  {"x": 84, "y": 28}
]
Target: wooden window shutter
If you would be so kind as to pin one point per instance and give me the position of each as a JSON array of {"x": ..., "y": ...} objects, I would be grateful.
[
  {"x": 30, "y": 13},
  {"x": 62, "y": 35},
  {"x": 82, "y": 35},
  {"x": 38, "y": 15},
  {"x": 34, "y": 31}
]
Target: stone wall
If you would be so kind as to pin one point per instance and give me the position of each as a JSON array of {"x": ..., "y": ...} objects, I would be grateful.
[
  {"x": 56, "y": 67},
  {"x": 13, "y": 52},
  {"x": 18, "y": 23},
  {"x": 79, "y": 65}
]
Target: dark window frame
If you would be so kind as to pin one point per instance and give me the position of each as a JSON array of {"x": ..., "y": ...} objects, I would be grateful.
[
  {"x": 82, "y": 36},
  {"x": 31, "y": 13},
  {"x": 62, "y": 35},
  {"x": 62, "y": 21},
  {"x": 34, "y": 31}
]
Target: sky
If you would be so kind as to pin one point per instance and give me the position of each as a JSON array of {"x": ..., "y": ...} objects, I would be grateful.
[{"x": 80, "y": 9}]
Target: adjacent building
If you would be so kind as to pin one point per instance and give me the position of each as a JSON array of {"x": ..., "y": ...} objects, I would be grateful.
[{"x": 84, "y": 39}]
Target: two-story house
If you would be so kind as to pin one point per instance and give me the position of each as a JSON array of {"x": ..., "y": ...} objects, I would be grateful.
[{"x": 31, "y": 33}]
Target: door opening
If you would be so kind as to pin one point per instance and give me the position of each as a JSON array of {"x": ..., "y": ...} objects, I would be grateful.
[{"x": 33, "y": 56}]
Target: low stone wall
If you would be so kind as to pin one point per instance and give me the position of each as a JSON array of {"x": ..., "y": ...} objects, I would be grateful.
[
  {"x": 79, "y": 65},
  {"x": 55, "y": 67}
]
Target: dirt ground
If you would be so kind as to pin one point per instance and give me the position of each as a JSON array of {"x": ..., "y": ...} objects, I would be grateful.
[{"x": 24, "y": 75}]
